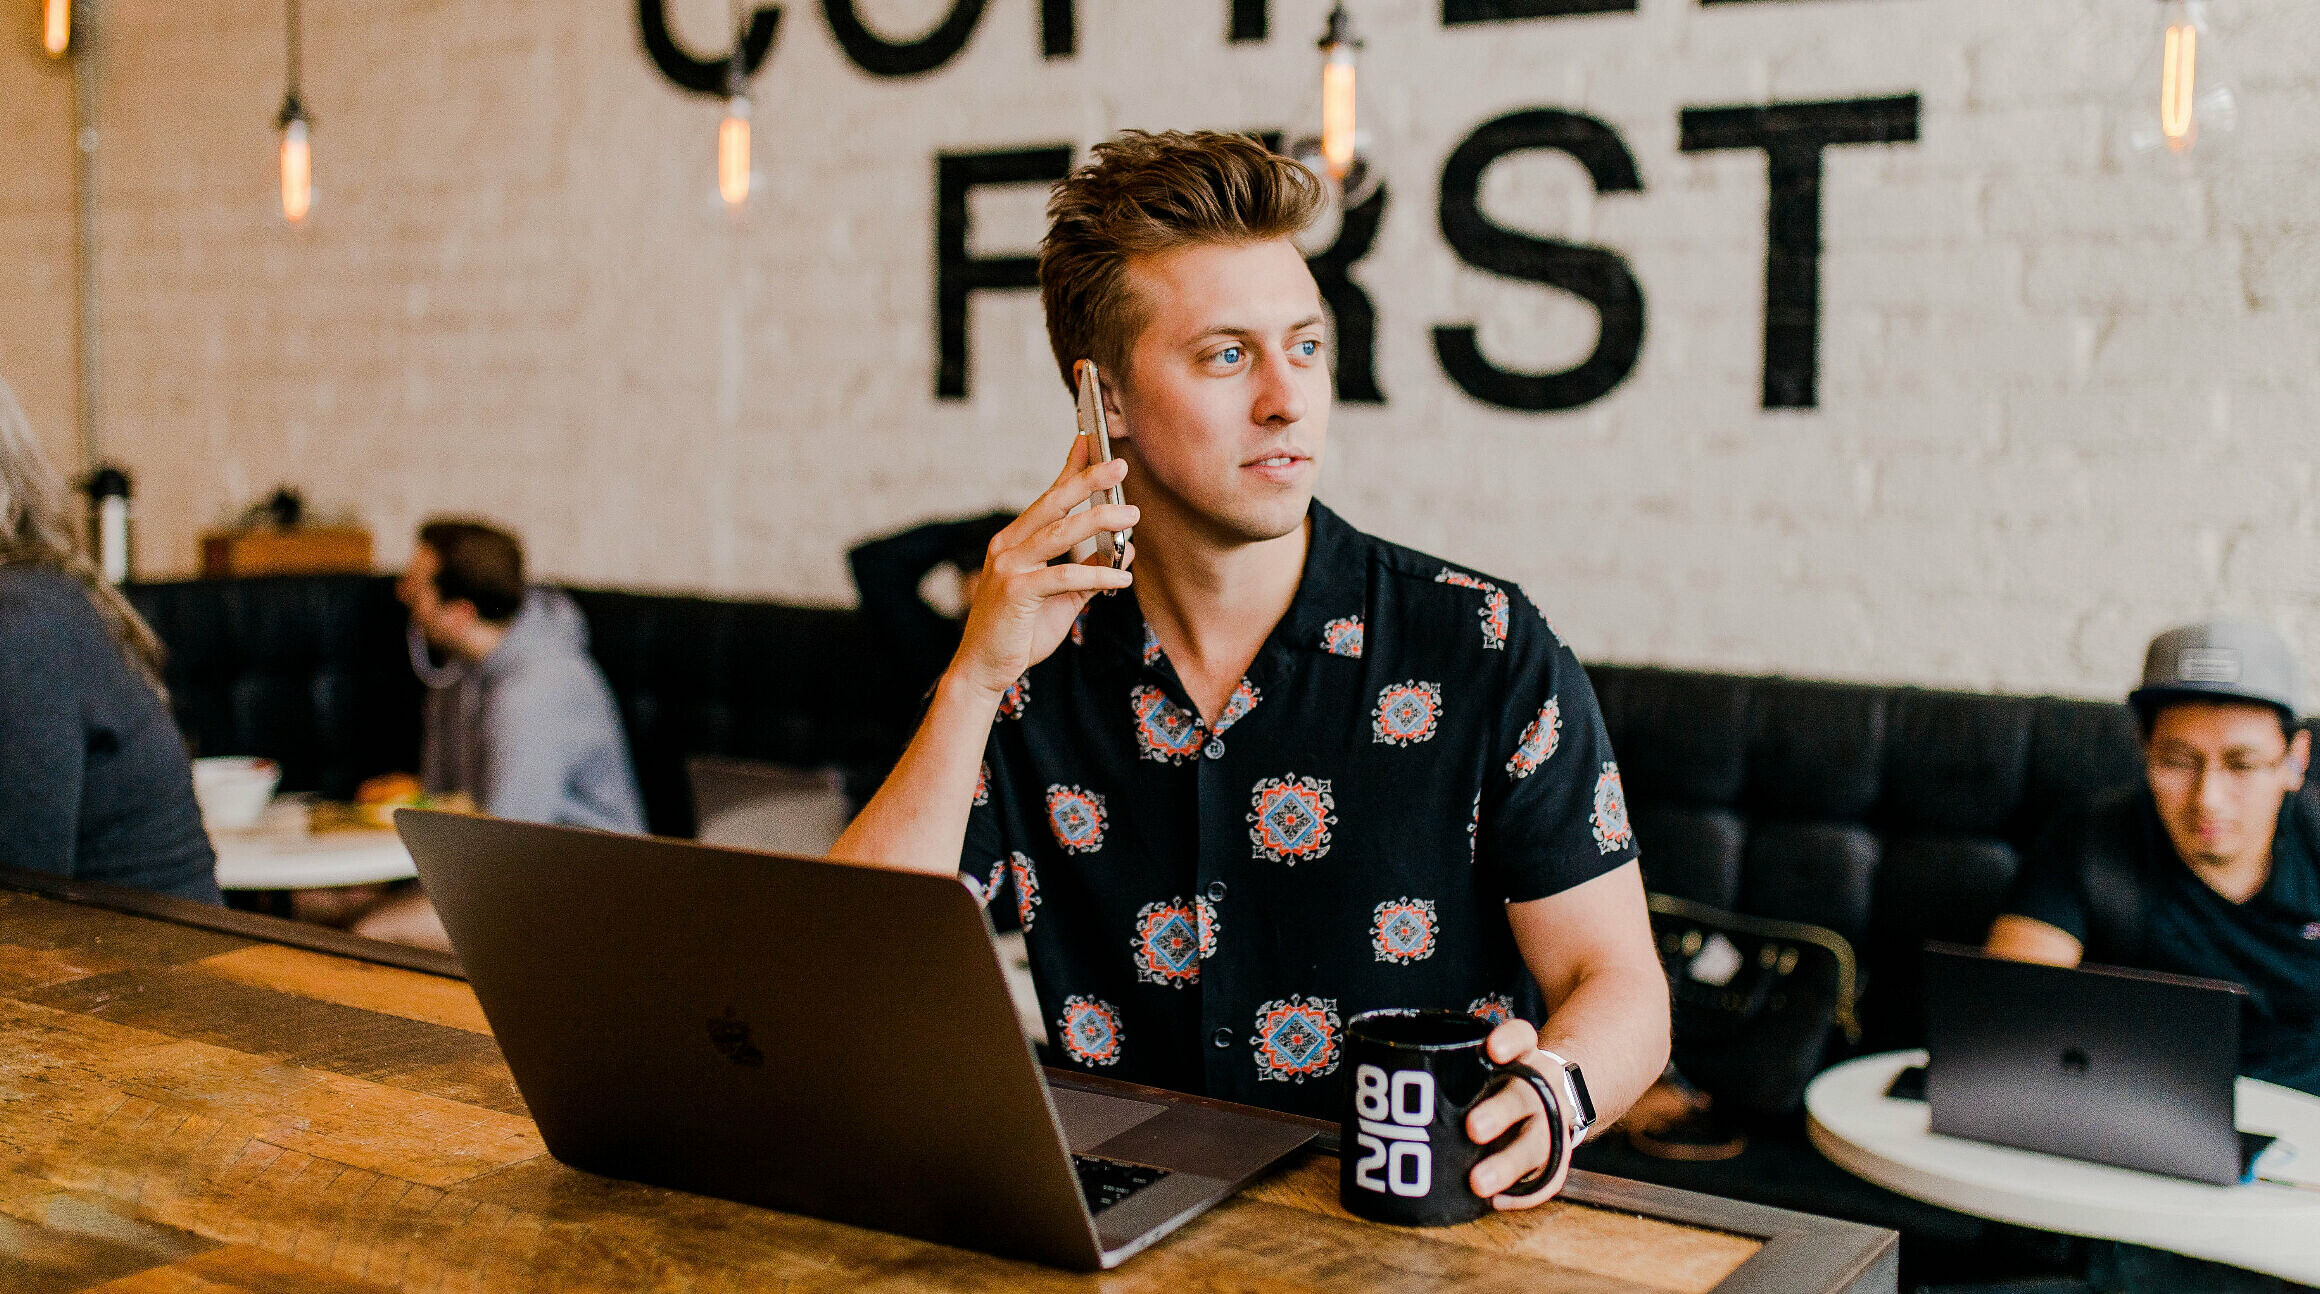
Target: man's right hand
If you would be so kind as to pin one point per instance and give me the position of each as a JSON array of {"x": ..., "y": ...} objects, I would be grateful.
[{"x": 1023, "y": 605}]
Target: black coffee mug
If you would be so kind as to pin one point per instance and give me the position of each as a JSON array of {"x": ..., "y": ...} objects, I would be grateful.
[{"x": 1414, "y": 1076}]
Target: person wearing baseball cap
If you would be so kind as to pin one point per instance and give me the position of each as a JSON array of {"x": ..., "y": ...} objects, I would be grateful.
[{"x": 2211, "y": 866}]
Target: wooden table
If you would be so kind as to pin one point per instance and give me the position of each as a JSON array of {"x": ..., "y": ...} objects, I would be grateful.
[{"x": 199, "y": 1101}]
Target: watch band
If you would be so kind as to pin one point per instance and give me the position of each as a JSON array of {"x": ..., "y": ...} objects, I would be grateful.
[{"x": 1580, "y": 1104}]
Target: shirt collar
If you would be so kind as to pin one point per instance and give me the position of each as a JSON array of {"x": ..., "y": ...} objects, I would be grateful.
[{"x": 1333, "y": 585}]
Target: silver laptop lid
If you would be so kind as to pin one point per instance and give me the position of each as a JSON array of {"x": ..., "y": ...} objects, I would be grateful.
[{"x": 811, "y": 1036}]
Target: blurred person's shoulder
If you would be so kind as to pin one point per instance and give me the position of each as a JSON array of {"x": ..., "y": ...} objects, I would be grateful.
[{"x": 43, "y": 607}]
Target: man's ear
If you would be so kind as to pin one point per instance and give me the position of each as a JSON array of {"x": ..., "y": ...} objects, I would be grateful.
[
  {"x": 2300, "y": 755},
  {"x": 1115, "y": 417}
]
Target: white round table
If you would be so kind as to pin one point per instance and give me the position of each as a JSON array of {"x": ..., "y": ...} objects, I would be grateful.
[
  {"x": 2260, "y": 1226},
  {"x": 280, "y": 854}
]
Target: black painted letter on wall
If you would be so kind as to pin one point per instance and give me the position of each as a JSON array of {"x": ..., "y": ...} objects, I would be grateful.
[
  {"x": 1355, "y": 319},
  {"x": 1352, "y": 316},
  {"x": 1058, "y": 28},
  {"x": 1598, "y": 275},
  {"x": 703, "y": 76},
  {"x": 956, "y": 273},
  {"x": 1248, "y": 20},
  {"x": 881, "y": 57},
  {"x": 1792, "y": 136},
  {"x": 1457, "y": 13}
]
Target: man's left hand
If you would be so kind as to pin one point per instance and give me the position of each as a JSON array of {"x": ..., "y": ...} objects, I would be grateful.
[{"x": 1517, "y": 1102}]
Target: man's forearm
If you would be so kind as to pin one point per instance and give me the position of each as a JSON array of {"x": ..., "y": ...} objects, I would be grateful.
[
  {"x": 1591, "y": 951},
  {"x": 1615, "y": 1025},
  {"x": 918, "y": 820}
]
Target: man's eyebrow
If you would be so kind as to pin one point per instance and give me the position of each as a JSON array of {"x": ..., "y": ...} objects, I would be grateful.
[
  {"x": 2243, "y": 750},
  {"x": 1243, "y": 330}
]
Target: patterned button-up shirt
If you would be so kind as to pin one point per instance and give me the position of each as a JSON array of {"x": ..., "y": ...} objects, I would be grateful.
[{"x": 1206, "y": 905}]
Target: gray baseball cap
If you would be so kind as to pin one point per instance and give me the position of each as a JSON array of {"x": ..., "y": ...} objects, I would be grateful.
[{"x": 2225, "y": 659}]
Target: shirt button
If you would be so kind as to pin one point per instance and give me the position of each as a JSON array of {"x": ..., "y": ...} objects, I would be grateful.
[
  {"x": 1216, "y": 891},
  {"x": 1222, "y": 1038},
  {"x": 1215, "y": 749}
]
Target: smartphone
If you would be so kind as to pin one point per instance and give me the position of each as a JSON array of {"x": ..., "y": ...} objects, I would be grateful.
[{"x": 1113, "y": 544}]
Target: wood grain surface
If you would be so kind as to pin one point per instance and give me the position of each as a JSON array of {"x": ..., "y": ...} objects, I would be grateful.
[{"x": 187, "y": 1110}]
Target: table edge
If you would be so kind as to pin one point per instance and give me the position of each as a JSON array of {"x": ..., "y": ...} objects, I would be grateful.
[
  {"x": 251, "y": 925},
  {"x": 1800, "y": 1251}
]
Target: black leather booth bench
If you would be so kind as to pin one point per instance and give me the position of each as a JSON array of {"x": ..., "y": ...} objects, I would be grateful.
[{"x": 1891, "y": 815}]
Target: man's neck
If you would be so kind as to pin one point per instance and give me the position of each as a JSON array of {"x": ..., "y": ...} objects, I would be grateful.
[
  {"x": 2239, "y": 878},
  {"x": 1210, "y": 605},
  {"x": 2236, "y": 879}
]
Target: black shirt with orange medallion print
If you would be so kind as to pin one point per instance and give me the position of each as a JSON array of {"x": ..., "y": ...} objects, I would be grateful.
[{"x": 1412, "y": 749}]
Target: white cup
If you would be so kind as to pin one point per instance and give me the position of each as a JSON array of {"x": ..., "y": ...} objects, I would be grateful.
[{"x": 232, "y": 790}]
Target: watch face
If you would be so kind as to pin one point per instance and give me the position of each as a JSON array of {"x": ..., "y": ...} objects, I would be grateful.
[{"x": 1579, "y": 1091}]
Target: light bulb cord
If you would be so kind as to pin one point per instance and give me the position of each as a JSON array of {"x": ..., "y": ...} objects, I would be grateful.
[
  {"x": 737, "y": 63},
  {"x": 291, "y": 27},
  {"x": 293, "y": 107}
]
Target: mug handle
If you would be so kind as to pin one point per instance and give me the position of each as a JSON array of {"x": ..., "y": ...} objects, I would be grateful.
[{"x": 1557, "y": 1150}]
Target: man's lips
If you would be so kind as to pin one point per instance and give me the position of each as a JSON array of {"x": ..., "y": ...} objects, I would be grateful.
[{"x": 1277, "y": 459}]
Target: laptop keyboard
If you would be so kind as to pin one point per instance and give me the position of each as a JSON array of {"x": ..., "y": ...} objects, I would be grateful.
[{"x": 1106, "y": 1182}]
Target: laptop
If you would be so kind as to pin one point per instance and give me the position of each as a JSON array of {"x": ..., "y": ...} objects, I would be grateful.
[
  {"x": 2122, "y": 1067},
  {"x": 816, "y": 1037},
  {"x": 750, "y": 805}
]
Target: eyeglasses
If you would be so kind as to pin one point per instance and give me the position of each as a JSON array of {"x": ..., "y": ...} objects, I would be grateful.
[{"x": 2180, "y": 769}]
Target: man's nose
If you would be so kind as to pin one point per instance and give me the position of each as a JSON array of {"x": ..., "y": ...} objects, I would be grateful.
[
  {"x": 1280, "y": 398},
  {"x": 2214, "y": 787}
]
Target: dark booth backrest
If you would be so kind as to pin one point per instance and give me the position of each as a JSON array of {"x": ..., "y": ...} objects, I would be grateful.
[
  {"x": 312, "y": 671},
  {"x": 768, "y": 681},
  {"x": 1891, "y": 815},
  {"x": 307, "y": 670}
]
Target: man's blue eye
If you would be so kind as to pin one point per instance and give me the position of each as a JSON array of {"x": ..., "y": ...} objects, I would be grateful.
[
  {"x": 1310, "y": 347},
  {"x": 1230, "y": 354}
]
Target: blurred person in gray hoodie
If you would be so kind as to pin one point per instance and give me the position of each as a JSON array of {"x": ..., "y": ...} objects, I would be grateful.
[{"x": 518, "y": 718}]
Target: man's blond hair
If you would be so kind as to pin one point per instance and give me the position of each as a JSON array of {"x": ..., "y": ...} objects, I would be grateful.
[{"x": 1151, "y": 192}]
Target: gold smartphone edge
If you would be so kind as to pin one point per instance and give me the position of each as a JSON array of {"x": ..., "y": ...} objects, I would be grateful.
[{"x": 1093, "y": 420}]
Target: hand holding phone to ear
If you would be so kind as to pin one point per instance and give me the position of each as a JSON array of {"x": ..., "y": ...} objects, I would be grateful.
[
  {"x": 1024, "y": 604},
  {"x": 1026, "y": 600}
]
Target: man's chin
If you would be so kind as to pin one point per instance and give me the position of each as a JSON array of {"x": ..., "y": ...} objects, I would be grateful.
[{"x": 1261, "y": 522}]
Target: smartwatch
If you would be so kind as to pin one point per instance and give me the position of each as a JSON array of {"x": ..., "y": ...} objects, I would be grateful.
[{"x": 1575, "y": 1098}]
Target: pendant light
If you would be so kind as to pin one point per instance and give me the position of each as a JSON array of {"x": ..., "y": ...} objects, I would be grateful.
[
  {"x": 733, "y": 147},
  {"x": 2178, "y": 111},
  {"x": 733, "y": 161},
  {"x": 297, "y": 154},
  {"x": 1338, "y": 133},
  {"x": 56, "y": 27}
]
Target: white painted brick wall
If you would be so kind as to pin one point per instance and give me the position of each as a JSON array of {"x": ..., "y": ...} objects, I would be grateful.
[
  {"x": 2063, "y": 402},
  {"x": 37, "y": 313}
]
